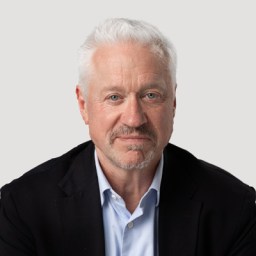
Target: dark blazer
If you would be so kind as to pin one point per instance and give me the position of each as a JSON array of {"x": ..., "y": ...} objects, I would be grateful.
[{"x": 55, "y": 209}]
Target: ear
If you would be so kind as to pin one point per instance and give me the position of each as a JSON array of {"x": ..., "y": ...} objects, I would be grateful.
[
  {"x": 82, "y": 104},
  {"x": 174, "y": 106},
  {"x": 174, "y": 101}
]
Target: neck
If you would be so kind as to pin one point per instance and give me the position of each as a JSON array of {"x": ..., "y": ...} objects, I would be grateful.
[{"x": 131, "y": 185}]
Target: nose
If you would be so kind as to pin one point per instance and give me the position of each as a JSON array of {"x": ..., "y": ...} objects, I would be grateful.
[{"x": 134, "y": 114}]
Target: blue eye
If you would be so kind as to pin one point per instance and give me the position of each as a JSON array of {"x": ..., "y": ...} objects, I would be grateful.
[
  {"x": 151, "y": 95},
  {"x": 114, "y": 97}
]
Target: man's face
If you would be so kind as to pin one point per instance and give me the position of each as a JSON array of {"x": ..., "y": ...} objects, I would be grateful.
[{"x": 129, "y": 106}]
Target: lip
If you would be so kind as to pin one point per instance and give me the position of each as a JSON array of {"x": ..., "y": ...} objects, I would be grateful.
[{"x": 133, "y": 138}]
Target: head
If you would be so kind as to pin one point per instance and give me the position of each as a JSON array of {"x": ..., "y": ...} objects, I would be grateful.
[{"x": 126, "y": 93}]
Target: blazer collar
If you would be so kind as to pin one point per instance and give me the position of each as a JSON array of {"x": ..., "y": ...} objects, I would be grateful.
[
  {"x": 177, "y": 178},
  {"x": 178, "y": 212},
  {"x": 80, "y": 209},
  {"x": 81, "y": 174}
]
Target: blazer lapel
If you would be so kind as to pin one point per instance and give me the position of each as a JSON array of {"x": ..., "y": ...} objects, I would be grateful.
[
  {"x": 80, "y": 209},
  {"x": 178, "y": 213}
]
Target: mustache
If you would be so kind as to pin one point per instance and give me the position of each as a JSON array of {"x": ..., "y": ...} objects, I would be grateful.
[{"x": 127, "y": 130}]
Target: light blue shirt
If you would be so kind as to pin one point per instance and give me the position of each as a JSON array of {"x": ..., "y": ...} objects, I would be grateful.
[{"x": 129, "y": 234}]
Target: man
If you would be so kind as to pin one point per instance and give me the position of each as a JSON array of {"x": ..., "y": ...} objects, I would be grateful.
[{"x": 127, "y": 192}]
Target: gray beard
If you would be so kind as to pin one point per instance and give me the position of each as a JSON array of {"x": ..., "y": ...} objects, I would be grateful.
[
  {"x": 133, "y": 166},
  {"x": 126, "y": 130}
]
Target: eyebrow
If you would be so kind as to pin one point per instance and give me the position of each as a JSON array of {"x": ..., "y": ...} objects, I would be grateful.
[
  {"x": 157, "y": 85},
  {"x": 115, "y": 88},
  {"x": 154, "y": 85}
]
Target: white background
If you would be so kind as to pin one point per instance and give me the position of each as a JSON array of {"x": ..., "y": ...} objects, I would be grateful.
[{"x": 216, "y": 45}]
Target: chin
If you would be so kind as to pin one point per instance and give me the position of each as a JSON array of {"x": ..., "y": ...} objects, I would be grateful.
[{"x": 137, "y": 162}]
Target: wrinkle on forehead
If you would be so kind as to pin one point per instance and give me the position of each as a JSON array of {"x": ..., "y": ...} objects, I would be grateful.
[{"x": 126, "y": 64}]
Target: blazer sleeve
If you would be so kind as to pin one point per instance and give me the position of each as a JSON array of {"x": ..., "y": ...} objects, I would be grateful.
[
  {"x": 15, "y": 238},
  {"x": 245, "y": 238}
]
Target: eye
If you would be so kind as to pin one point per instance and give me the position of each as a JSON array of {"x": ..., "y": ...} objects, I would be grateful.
[
  {"x": 114, "y": 97},
  {"x": 151, "y": 95}
]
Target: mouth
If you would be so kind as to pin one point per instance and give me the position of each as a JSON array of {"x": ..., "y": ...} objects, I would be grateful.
[{"x": 133, "y": 139}]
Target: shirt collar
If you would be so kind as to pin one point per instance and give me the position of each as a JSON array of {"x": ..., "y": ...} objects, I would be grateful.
[
  {"x": 156, "y": 183},
  {"x": 104, "y": 184}
]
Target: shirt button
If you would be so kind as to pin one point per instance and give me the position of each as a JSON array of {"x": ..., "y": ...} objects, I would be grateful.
[
  {"x": 114, "y": 197},
  {"x": 130, "y": 225}
]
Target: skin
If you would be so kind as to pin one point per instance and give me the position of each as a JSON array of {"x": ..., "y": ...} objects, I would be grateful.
[{"x": 129, "y": 108}]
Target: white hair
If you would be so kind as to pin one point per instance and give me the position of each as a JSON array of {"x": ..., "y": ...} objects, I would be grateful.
[{"x": 125, "y": 30}]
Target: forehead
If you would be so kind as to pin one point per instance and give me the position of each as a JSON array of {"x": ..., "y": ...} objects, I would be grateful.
[{"x": 127, "y": 58}]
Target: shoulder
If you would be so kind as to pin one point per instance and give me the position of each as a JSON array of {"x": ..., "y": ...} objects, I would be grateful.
[
  {"x": 45, "y": 175},
  {"x": 211, "y": 180},
  {"x": 223, "y": 197}
]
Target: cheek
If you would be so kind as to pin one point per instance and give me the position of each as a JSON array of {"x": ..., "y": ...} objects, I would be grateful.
[
  {"x": 164, "y": 124},
  {"x": 102, "y": 120}
]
